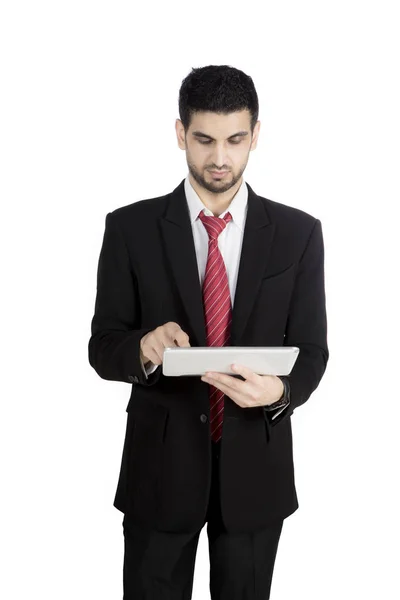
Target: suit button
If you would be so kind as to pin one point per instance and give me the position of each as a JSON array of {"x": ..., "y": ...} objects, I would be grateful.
[
  {"x": 133, "y": 378},
  {"x": 203, "y": 418}
]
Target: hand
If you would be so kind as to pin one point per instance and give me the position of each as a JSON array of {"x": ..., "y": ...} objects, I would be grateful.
[
  {"x": 256, "y": 390},
  {"x": 153, "y": 343}
]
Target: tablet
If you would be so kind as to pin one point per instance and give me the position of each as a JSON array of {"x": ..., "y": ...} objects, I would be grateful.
[{"x": 263, "y": 360}]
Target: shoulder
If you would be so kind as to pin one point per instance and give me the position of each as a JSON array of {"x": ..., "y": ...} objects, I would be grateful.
[
  {"x": 290, "y": 215},
  {"x": 141, "y": 208},
  {"x": 138, "y": 216},
  {"x": 294, "y": 227}
]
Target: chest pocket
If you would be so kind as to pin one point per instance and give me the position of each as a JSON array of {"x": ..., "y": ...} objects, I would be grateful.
[{"x": 287, "y": 273}]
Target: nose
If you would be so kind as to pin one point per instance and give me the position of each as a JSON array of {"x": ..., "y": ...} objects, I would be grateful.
[{"x": 219, "y": 158}]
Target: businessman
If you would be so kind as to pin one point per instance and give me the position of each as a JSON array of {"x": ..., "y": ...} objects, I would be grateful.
[{"x": 211, "y": 263}]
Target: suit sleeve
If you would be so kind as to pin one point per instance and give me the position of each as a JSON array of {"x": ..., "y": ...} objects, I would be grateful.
[
  {"x": 307, "y": 325},
  {"x": 114, "y": 345}
]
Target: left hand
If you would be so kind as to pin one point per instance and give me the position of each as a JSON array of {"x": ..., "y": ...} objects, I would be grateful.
[{"x": 256, "y": 390}]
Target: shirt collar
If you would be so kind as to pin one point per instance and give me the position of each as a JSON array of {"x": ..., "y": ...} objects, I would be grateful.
[{"x": 237, "y": 207}]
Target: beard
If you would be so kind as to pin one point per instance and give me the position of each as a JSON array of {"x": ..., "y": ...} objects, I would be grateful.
[{"x": 215, "y": 187}]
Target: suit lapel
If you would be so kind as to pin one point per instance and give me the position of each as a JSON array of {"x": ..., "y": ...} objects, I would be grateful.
[{"x": 179, "y": 246}]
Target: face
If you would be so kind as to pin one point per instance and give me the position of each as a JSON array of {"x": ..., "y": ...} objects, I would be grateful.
[{"x": 217, "y": 142}]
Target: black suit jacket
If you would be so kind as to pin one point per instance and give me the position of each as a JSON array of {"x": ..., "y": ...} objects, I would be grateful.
[{"x": 148, "y": 275}]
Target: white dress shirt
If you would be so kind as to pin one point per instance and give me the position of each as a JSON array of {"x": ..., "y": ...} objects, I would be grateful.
[{"x": 229, "y": 242}]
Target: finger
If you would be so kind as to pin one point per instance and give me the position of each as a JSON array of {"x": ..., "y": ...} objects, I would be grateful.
[
  {"x": 155, "y": 354},
  {"x": 237, "y": 397},
  {"x": 244, "y": 372},
  {"x": 229, "y": 382},
  {"x": 181, "y": 338}
]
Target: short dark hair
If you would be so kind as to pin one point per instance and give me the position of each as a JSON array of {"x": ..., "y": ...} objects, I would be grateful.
[{"x": 217, "y": 88}]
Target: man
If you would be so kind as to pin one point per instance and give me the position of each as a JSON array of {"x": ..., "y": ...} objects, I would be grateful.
[{"x": 209, "y": 264}]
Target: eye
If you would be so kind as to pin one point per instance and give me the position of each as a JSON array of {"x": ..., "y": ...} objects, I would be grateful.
[{"x": 231, "y": 141}]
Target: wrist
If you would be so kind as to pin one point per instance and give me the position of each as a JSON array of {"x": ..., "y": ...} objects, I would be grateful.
[
  {"x": 144, "y": 358},
  {"x": 284, "y": 399}
]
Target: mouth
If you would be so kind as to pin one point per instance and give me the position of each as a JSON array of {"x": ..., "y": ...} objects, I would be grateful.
[{"x": 218, "y": 173}]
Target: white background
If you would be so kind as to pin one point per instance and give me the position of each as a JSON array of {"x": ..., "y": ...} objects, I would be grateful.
[{"x": 89, "y": 100}]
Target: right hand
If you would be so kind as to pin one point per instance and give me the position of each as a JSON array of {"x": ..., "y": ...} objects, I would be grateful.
[{"x": 153, "y": 343}]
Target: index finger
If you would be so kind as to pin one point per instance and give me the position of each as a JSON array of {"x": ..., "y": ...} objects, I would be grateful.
[{"x": 180, "y": 336}]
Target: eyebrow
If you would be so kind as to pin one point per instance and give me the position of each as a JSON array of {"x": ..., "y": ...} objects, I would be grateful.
[{"x": 204, "y": 135}]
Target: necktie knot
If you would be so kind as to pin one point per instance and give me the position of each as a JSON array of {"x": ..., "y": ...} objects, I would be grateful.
[{"x": 214, "y": 225}]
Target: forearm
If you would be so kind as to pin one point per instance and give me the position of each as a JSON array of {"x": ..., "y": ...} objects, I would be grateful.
[
  {"x": 115, "y": 355},
  {"x": 307, "y": 324},
  {"x": 114, "y": 345}
]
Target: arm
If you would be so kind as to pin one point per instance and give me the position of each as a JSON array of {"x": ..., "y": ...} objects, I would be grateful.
[
  {"x": 307, "y": 325},
  {"x": 114, "y": 346}
]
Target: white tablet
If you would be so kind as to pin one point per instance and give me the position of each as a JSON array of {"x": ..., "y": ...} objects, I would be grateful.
[{"x": 263, "y": 360}]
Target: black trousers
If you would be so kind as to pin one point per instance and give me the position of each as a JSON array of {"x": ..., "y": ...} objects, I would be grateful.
[{"x": 160, "y": 565}]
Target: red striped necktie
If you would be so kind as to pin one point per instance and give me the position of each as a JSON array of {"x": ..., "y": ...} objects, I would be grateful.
[{"x": 217, "y": 310}]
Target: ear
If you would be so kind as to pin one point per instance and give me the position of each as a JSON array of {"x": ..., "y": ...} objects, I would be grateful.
[
  {"x": 180, "y": 134},
  {"x": 255, "y": 135}
]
